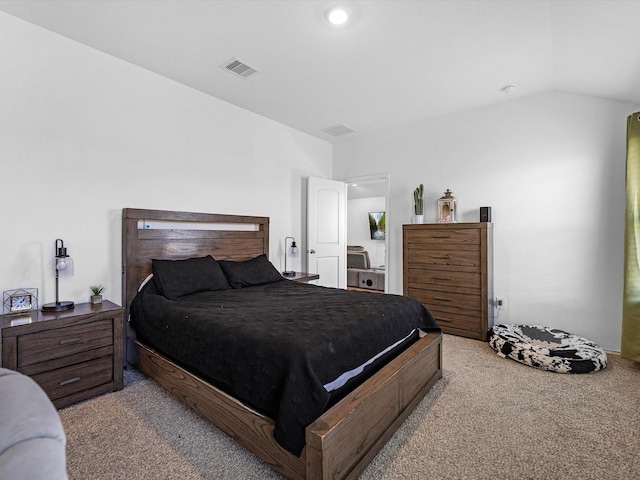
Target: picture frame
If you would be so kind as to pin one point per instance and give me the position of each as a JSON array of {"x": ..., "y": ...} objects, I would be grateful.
[
  {"x": 19, "y": 301},
  {"x": 377, "y": 225}
]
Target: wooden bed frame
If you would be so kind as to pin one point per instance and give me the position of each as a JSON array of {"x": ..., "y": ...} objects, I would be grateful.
[{"x": 339, "y": 444}]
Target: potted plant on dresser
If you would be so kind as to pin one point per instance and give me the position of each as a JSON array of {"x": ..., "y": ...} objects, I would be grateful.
[
  {"x": 96, "y": 294},
  {"x": 418, "y": 204}
]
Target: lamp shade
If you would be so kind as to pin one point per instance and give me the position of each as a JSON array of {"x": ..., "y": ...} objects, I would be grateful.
[{"x": 63, "y": 266}]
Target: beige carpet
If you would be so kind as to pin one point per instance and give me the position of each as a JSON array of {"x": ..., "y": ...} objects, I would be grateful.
[{"x": 487, "y": 418}]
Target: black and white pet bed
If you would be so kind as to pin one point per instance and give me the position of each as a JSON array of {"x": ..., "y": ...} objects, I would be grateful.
[{"x": 547, "y": 348}]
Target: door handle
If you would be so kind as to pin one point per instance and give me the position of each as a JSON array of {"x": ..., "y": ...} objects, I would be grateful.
[{"x": 312, "y": 251}]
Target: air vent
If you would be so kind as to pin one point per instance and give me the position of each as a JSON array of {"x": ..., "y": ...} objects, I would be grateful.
[
  {"x": 239, "y": 68},
  {"x": 338, "y": 130}
]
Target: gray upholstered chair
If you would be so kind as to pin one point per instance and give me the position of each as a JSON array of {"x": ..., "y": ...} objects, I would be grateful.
[
  {"x": 359, "y": 272},
  {"x": 32, "y": 441}
]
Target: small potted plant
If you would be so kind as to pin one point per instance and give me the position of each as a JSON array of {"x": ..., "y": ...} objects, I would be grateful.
[
  {"x": 96, "y": 294},
  {"x": 418, "y": 204}
]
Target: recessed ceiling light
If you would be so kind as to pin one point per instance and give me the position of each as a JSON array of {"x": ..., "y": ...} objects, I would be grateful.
[{"x": 337, "y": 15}]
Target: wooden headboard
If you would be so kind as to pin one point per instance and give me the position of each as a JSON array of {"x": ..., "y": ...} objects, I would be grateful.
[{"x": 162, "y": 234}]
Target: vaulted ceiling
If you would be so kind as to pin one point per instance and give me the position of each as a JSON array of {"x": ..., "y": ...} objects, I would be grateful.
[{"x": 394, "y": 63}]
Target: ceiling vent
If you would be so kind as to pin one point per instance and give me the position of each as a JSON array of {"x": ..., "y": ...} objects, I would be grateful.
[
  {"x": 239, "y": 68},
  {"x": 338, "y": 130}
]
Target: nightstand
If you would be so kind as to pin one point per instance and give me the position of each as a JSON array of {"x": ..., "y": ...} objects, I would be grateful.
[
  {"x": 303, "y": 277},
  {"x": 73, "y": 355}
]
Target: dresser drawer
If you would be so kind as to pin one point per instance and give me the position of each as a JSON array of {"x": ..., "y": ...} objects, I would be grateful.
[
  {"x": 466, "y": 282},
  {"x": 443, "y": 236},
  {"x": 60, "y": 342},
  {"x": 456, "y": 313},
  {"x": 76, "y": 378},
  {"x": 457, "y": 322},
  {"x": 438, "y": 258},
  {"x": 448, "y": 301}
]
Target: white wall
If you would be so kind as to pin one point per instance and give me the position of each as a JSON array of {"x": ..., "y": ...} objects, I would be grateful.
[
  {"x": 358, "y": 232},
  {"x": 83, "y": 135},
  {"x": 552, "y": 168}
]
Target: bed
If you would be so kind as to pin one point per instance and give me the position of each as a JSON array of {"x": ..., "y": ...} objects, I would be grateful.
[{"x": 342, "y": 440}]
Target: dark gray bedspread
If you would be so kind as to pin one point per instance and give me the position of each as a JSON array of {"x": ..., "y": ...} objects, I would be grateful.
[{"x": 275, "y": 346}]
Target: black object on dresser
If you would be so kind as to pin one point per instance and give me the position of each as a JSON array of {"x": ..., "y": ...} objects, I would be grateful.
[
  {"x": 485, "y": 214},
  {"x": 73, "y": 355}
]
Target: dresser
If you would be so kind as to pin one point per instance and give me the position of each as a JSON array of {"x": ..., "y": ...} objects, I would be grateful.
[
  {"x": 448, "y": 267},
  {"x": 73, "y": 355}
]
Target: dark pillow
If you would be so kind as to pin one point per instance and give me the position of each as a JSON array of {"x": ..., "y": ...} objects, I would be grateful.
[
  {"x": 175, "y": 278},
  {"x": 257, "y": 271}
]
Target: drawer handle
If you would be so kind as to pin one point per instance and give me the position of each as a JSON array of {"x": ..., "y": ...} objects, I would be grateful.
[
  {"x": 69, "y": 341},
  {"x": 441, "y": 279},
  {"x": 442, "y": 299},
  {"x": 71, "y": 380},
  {"x": 445, "y": 320},
  {"x": 443, "y": 257}
]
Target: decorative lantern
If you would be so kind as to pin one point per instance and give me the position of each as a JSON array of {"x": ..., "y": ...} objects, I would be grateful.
[{"x": 447, "y": 208}]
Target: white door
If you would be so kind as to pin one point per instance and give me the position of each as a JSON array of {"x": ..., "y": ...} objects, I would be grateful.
[{"x": 326, "y": 231}]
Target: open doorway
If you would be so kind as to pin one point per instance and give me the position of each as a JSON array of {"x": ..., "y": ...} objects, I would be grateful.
[{"x": 367, "y": 232}]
